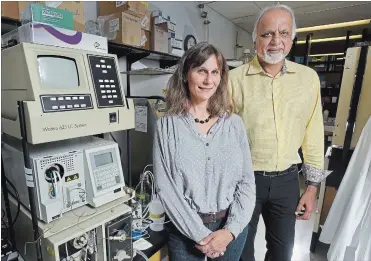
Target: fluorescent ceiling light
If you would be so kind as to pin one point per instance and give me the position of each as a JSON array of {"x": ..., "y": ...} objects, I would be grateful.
[
  {"x": 358, "y": 36},
  {"x": 332, "y": 26},
  {"x": 326, "y": 54}
]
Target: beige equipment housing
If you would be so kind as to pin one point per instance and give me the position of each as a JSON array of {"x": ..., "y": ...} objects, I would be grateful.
[{"x": 67, "y": 93}]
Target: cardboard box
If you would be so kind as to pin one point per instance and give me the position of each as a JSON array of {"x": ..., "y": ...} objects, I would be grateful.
[
  {"x": 50, "y": 35},
  {"x": 170, "y": 24},
  {"x": 145, "y": 40},
  {"x": 10, "y": 9},
  {"x": 122, "y": 28},
  {"x": 131, "y": 7},
  {"x": 146, "y": 21},
  {"x": 15, "y": 9},
  {"x": 176, "y": 43},
  {"x": 160, "y": 38},
  {"x": 76, "y": 8},
  {"x": 37, "y": 13},
  {"x": 176, "y": 46}
]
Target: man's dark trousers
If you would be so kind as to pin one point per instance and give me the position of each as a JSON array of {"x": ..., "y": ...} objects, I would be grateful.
[{"x": 277, "y": 198}]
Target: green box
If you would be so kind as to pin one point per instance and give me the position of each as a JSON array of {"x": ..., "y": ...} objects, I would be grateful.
[{"x": 37, "y": 13}]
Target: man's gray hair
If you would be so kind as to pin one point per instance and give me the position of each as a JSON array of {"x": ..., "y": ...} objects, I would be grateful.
[{"x": 277, "y": 6}]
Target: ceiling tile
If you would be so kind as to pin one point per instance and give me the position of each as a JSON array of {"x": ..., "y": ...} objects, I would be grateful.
[
  {"x": 333, "y": 16},
  {"x": 296, "y": 5},
  {"x": 307, "y": 13},
  {"x": 241, "y": 20},
  {"x": 293, "y": 4},
  {"x": 325, "y": 7},
  {"x": 234, "y": 9},
  {"x": 263, "y": 4},
  {"x": 248, "y": 26}
]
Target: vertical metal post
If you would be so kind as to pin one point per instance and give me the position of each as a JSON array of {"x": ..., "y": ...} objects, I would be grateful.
[
  {"x": 128, "y": 141},
  {"x": 308, "y": 45},
  {"x": 4, "y": 189},
  {"x": 328, "y": 64},
  {"x": 29, "y": 179},
  {"x": 293, "y": 49},
  {"x": 347, "y": 41},
  {"x": 364, "y": 34}
]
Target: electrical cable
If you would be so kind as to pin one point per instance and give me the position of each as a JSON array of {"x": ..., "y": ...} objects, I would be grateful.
[
  {"x": 18, "y": 200},
  {"x": 114, "y": 139},
  {"x": 141, "y": 254}
]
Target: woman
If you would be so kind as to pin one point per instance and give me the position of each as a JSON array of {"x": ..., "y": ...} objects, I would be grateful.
[{"x": 202, "y": 162}]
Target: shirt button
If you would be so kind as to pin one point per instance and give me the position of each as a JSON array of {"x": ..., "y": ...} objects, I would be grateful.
[{"x": 207, "y": 144}]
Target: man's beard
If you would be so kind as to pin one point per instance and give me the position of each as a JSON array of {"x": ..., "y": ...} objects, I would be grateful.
[{"x": 273, "y": 58}]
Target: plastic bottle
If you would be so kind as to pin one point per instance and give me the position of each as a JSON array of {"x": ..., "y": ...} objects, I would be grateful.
[
  {"x": 145, "y": 192},
  {"x": 325, "y": 115},
  {"x": 156, "y": 214}
]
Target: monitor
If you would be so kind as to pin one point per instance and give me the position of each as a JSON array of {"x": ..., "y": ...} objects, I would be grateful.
[{"x": 67, "y": 93}]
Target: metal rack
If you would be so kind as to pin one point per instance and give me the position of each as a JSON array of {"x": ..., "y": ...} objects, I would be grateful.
[
  {"x": 150, "y": 71},
  {"x": 345, "y": 152},
  {"x": 132, "y": 54},
  {"x": 30, "y": 183}
]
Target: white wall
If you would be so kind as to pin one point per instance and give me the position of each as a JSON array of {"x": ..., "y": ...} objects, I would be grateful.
[
  {"x": 245, "y": 40},
  {"x": 222, "y": 32}
]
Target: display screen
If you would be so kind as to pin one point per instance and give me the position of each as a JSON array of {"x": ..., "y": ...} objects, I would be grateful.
[
  {"x": 58, "y": 72},
  {"x": 103, "y": 159}
]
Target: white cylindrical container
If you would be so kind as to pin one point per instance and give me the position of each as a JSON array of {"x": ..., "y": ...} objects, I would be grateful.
[
  {"x": 156, "y": 214},
  {"x": 325, "y": 115}
]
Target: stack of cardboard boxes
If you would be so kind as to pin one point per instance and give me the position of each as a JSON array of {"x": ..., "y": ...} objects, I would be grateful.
[
  {"x": 164, "y": 33},
  {"x": 126, "y": 22},
  {"x": 14, "y": 10},
  {"x": 131, "y": 23}
]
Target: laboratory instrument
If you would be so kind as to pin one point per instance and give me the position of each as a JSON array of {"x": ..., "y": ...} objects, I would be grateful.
[
  {"x": 66, "y": 174},
  {"x": 79, "y": 235},
  {"x": 67, "y": 93}
]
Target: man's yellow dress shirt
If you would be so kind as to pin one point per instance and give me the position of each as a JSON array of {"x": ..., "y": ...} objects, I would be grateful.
[{"x": 281, "y": 114}]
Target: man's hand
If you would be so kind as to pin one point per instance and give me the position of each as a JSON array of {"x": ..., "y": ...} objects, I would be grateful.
[
  {"x": 308, "y": 201},
  {"x": 216, "y": 243}
]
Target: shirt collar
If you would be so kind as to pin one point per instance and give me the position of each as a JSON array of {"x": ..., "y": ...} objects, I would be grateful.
[{"x": 255, "y": 67}]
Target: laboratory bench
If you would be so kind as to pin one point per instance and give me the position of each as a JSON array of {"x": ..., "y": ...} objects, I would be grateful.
[{"x": 158, "y": 241}]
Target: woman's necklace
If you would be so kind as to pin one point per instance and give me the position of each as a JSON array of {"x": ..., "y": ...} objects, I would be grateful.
[{"x": 197, "y": 120}]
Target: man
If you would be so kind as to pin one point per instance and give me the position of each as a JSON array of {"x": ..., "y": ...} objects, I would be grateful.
[{"x": 280, "y": 104}]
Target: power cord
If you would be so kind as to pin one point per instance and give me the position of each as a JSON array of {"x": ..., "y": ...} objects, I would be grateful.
[
  {"x": 137, "y": 251},
  {"x": 18, "y": 200},
  {"x": 114, "y": 139}
]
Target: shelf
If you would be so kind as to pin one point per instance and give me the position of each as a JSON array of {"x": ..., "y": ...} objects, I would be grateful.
[
  {"x": 329, "y": 72},
  {"x": 134, "y": 54},
  {"x": 150, "y": 71},
  {"x": 326, "y": 62}
]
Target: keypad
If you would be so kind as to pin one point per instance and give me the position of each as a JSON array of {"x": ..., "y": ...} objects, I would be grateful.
[
  {"x": 106, "y": 177},
  {"x": 105, "y": 79},
  {"x": 65, "y": 102}
]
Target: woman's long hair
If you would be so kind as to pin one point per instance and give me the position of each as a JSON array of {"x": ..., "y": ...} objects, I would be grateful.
[{"x": 178, "y": 95}]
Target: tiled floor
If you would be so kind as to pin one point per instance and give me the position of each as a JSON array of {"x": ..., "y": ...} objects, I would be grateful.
[{"x": 303, "y": 236}]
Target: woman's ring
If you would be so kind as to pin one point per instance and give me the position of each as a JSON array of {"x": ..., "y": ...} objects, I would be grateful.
[{"x": 222, "y": 253}]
